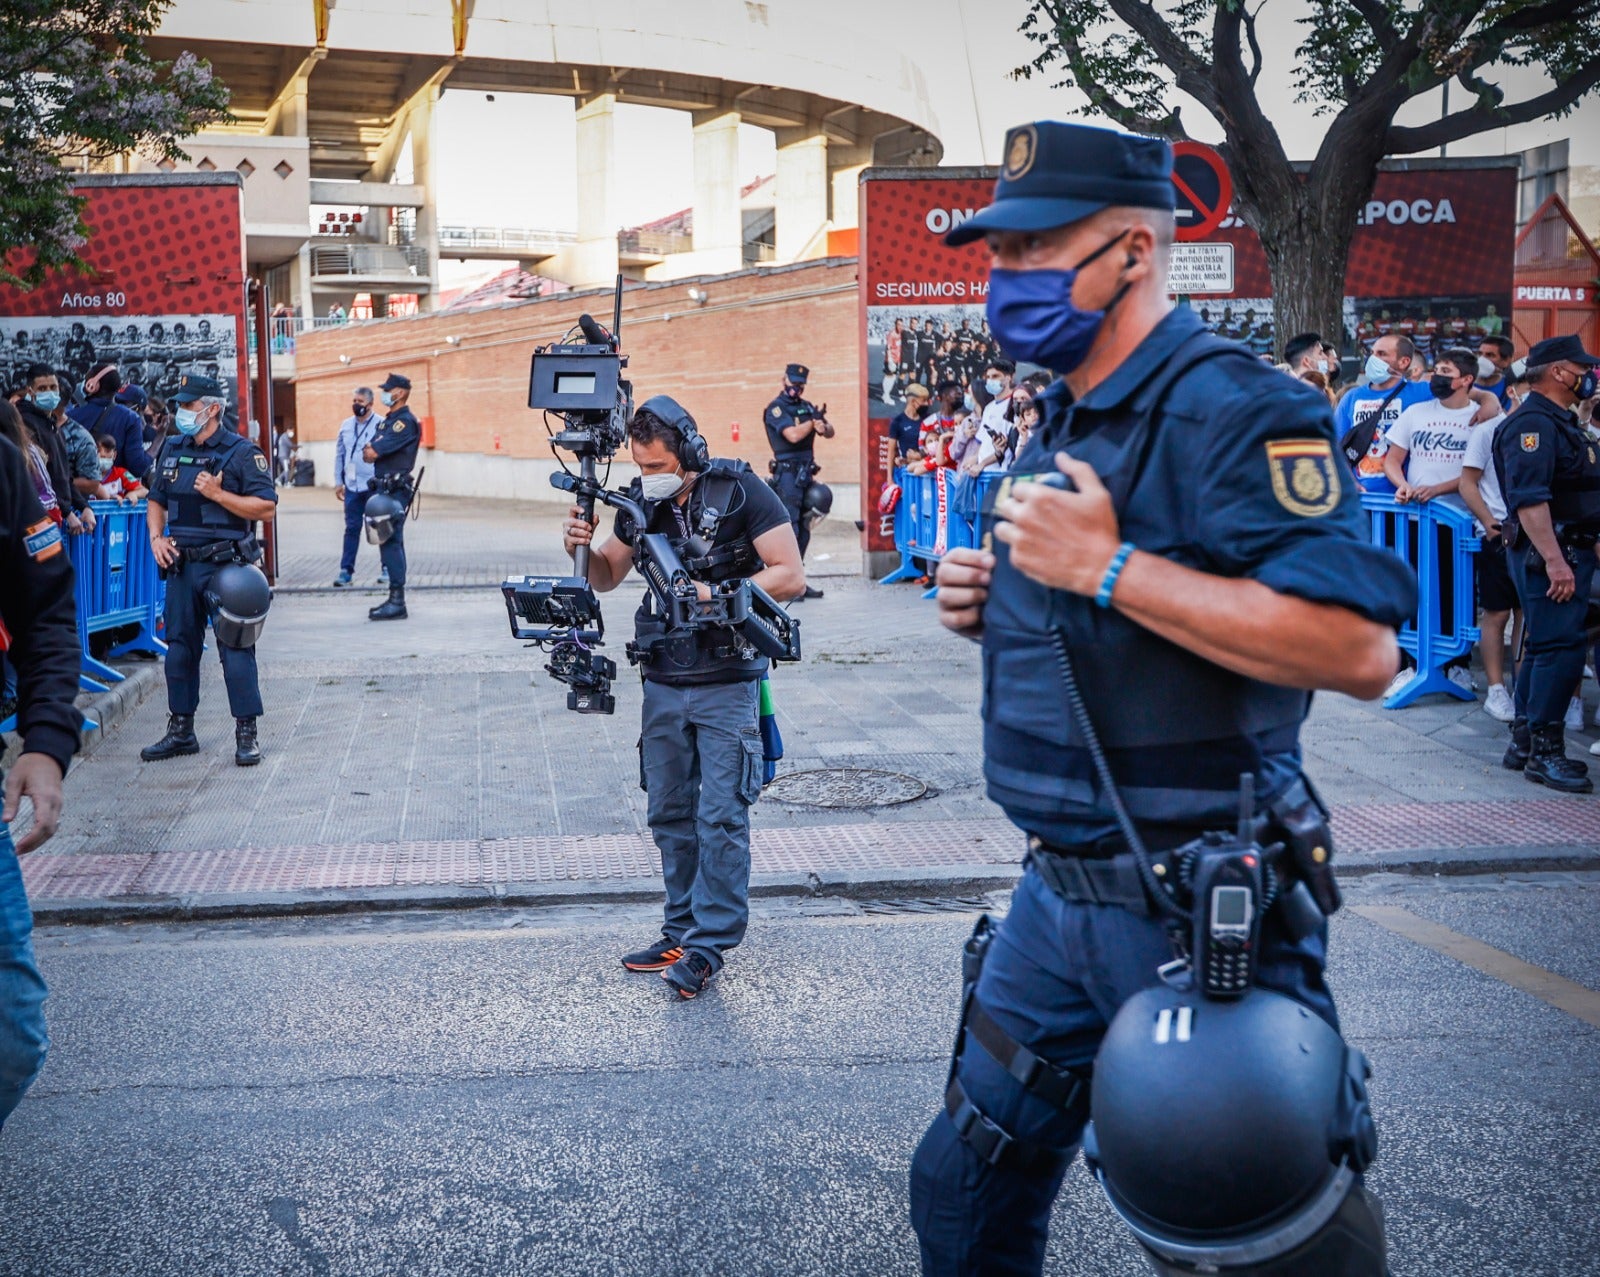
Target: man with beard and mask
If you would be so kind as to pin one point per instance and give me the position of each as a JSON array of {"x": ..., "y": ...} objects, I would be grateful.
[
  {"x": 793, "y": 424},
  {"x": 352, "y": 476},
  {"x": 700, "y": 754},
  {"x": 1200, "y": 606},
  {"x": 1549, "y": 472},
  {"x": 207, "y": 493}
]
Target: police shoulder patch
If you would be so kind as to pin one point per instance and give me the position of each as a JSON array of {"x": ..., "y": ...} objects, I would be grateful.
[
  {"x": 261, "y": 463},
  {"x": 775, "y": 412},
  {"x": 42, "y": 540},
  {"x": 1530, "y": 441},
  {"x": 1305, "y": 479}
]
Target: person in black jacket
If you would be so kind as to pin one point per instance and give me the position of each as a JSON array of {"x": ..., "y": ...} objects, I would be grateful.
[{"x": 38, "y": 626}]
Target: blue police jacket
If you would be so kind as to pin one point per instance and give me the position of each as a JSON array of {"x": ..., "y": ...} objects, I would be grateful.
[
  {"x": 782, "y": 413},
  {"x": 1220, "y": 463},
  {"x": 398, "y": 437},
  {"x": 196, "y": 520},
  {"x": 1542, "y": 455}
]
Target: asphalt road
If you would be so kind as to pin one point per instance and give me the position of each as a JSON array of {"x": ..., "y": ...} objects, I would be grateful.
[{"x": 489, "y": 1093}]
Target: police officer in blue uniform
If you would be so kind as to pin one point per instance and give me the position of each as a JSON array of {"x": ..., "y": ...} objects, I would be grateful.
[
  {"x": 393, "y": 453},
  {"x": 1549, "y": 470},
  {"x": 208, "y": 489},
  {"x": 793, "y": 424},
  {"x": 1205, "y": 569}
]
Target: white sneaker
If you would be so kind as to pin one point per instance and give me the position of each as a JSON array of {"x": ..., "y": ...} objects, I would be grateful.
[
  {"x": 1462, "y": 678},
  {"x": 1595, "y": 748},
  {"x": 1498, "y": 704},
  {"x": 1574, "y": 718},
  {"x": 1398, "y": 681}
]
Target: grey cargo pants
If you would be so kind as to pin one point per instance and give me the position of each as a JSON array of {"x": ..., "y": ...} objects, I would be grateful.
[{"x": 700, "y": 764}]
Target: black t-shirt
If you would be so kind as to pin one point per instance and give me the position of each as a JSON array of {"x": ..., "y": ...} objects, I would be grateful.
[{"x": 753, "y": 509}]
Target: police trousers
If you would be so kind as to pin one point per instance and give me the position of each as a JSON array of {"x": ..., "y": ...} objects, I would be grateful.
[
  {"x": 187, "y": 616},
  {"x": 392, "y": 553},
  {"x": 700, "y": 765},
  {"x": 1054, "y": 977},
  {"x": 791, "y": 480},
  {"x": 1553, "y": 662}
]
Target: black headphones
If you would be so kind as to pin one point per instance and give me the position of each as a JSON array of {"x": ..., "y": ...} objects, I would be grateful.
[{"x": 692, "y": 451}]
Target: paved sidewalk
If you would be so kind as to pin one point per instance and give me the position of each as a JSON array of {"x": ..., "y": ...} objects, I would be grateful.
[{"x": 434, "y": 757}]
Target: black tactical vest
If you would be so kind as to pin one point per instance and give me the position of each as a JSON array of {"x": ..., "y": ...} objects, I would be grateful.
[{"x": 191, "y": 518}]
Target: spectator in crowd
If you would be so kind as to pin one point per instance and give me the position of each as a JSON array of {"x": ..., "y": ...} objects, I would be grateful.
[
  {"x": 1426, "y": 450},
  {"x": 1314, "y": 378},
  {"x": 72, "y": 448},
  {"x": 100, "y": 415},
  {"x": 336, "y": 314},
  {"x": 1305, "y": 353},
  {"x": 1024, "y": 419},
  {"x": 1497, "y": 595},
  {"x": 35, "y": 408},
  {"x": 116, "y": 484},
  {"x": 282, "y": 323},
  {"x": 906, "y": 428},
  {"x": 1494, "y": 355},
  {"x": 352, "y": 475}
]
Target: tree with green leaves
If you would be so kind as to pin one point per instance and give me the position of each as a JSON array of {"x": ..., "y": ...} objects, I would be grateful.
[
  {"x": 1359, "y": 62},
  {"x": 77, "y": 86}
]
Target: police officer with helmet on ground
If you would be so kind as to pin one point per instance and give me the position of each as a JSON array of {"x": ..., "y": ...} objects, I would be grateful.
[
  {"x": 1549, "y": 470},
  {"x": 208, "y": 489},
  {"x": 793, "y": 423},
  {"x": 1188, "y": 613},
  {"x": 700, "y": 752},
  {"x": 393, "y": 454}
]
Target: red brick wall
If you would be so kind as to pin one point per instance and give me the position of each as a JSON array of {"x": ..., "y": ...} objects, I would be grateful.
[{"x": 723, "y": 361}]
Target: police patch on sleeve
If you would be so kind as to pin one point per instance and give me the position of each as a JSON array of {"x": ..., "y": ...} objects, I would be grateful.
[
  {"x": 1304, "y": 477},
  {"x": 774, "y": 412},
  {"x": 261, "y": 463},
  {"x": 1530, "y": 442},
  {"x": 42, "y": 540}
]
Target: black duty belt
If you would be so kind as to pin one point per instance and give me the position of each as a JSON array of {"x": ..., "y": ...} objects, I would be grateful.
[{"x": 785, "y": 462}]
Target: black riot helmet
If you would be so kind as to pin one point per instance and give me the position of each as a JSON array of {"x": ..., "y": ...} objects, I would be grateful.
[
  {"x": 238, "y": 597},
  {"x": 381, "y": 516},
  {"x": 1230, "y": 1136},
  {"x": 816, "y": 501}
]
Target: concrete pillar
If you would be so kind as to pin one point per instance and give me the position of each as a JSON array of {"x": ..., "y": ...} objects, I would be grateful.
[
  {"x": 424, "y": 148},
  {"x": 593, "y": 259},
  {"x": 846, "y": 180},
  {"x": 718, "y": 221},
  {"x": 802, "y": 194}
]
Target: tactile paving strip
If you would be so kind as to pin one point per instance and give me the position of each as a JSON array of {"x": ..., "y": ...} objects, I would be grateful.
[{"x": 814, "y": 849}]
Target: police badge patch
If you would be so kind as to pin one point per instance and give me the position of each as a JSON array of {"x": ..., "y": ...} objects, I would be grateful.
[
  {"x": 261, "y": 463},
  {"x": 1304, "y": 477},
  {"x": 1022, "y": 148},
  {"x": 1530, "y": 443},
  {"x": 775, "y": 412}
]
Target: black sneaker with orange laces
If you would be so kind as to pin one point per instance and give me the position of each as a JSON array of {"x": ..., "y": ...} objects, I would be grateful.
[
  {"x": 689, "y": 974},
  {"x": 658, "y": 957}
]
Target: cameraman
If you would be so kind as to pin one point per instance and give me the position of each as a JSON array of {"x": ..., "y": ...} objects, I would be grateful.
[{"x": 700, "y": 744}]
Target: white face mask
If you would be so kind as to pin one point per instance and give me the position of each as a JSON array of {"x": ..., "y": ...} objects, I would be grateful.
[
  {"x": 1322, "y": 367},
  {"x": 661, "y": 487},
  {"x": 1486, "y": 369}
]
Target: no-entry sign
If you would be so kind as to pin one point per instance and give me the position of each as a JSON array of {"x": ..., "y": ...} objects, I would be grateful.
[{"x": 1204, "y": 190}]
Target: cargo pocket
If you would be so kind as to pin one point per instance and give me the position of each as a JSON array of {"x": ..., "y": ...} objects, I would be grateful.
[
  {"x": 639, "y": 745},
  {"x": 754, "y": 767}
]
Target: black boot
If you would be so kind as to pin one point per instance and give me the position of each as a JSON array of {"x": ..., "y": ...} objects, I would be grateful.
[
  {"x": 246, "y": 753},
  {"x": 1516, "y": 755},
  {"x": 394, "y": 609},
  {"x": 179, "y": 739},
  {"x": 1549, "y": 764}
]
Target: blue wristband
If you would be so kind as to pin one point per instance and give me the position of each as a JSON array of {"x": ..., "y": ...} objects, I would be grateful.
[{"x": 1108, "y": 582}]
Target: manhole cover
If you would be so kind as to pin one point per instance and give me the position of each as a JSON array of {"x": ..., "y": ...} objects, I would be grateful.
[{"x": 845, "y": 787}]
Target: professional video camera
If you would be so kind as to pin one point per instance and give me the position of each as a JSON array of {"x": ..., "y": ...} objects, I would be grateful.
[{"x": 582, "y": 383}]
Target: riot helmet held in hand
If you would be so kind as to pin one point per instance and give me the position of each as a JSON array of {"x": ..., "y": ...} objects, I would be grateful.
[
  {"x": 1230, "y": 1137},
  {"x": 382, "y": 515},
  {"x": 816, "y": 502},
  {"x": 237, "y": 598}
]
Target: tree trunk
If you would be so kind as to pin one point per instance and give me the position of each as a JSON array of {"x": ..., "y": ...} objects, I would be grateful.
[{"x": 1307, "y": 261}]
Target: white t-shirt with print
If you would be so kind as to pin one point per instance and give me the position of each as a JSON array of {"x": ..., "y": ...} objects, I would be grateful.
[
  {"x": 1435, "y": 440},
  {"x": 1480, "y": 456}
]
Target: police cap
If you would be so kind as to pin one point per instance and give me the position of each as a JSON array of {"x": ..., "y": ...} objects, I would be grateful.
[
  {"x": 799, "y": 374},
  {"x": 192, "y": 387},
  {"x": 394, "y": 381},
  {"x": 1053, "y": 174},
  {"x": 1557, "y": 350}
]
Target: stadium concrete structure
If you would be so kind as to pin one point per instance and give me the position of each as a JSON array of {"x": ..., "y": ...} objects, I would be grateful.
[{"x": 330, "y": 97}]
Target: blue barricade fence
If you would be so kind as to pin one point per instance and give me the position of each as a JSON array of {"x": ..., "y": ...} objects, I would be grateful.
[
  {"x": 115, "y": 584},
  {"x": 1437, "y": 543},
  {"x": 939, "y": 512}
]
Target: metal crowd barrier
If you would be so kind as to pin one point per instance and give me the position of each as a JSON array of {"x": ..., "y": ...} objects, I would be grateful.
[
  {"x": 1442, "y": 629},
  {"x": 938, "y": 513},
  {"x": 115, "y": 584}
]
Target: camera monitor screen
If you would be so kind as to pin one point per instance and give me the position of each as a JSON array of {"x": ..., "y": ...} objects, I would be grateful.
[{"x": 574, "y": 383}]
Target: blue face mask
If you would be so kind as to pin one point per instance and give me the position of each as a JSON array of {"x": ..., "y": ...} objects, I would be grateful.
[
  {"x": 48, "y": 400},
  {"x": 387, "y": 398},
  {"x": 1377, "y": 370},
  {"x": 1032, "y": 315},
  {"x": 188, "y": 421},
  {"x": 994, "y": 386}
]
